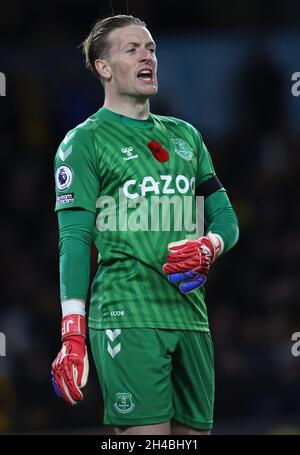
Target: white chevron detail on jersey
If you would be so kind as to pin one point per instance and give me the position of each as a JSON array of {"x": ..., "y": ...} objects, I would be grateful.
[
  {"x": 113, "y": 334},
  {"x": 114, "y": 351},
  {"x": 69, "y": 137},
  {"x": 64, "y": 155},
  {"x": 86, "y": 122}
]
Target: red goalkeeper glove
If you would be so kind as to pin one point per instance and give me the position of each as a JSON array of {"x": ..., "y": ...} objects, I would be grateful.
[
  {"x": 71, "y": 367},
  {"x": 189, "y": 261}
]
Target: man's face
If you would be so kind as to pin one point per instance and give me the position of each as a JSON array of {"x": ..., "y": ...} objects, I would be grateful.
[{"x": 132, "y": 61}]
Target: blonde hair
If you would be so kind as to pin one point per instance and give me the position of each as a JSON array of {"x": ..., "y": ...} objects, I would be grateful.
[{"x": 96, "y": 44}]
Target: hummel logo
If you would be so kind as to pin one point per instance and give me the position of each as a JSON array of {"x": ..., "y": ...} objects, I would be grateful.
[
  {"x": 113, "y": 334},
  {"x": 113, "y": 351},
  {"x": 128, "y": 151},
  {"x": 64, "y": 155},
  {"x": 69, "y": 137}
]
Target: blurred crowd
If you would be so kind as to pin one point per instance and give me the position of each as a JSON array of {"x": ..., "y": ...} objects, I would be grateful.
[{"x": 252, "y": 293}]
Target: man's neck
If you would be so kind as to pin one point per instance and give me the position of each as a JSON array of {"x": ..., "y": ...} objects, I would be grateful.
[{"x": 137, "y": 109}]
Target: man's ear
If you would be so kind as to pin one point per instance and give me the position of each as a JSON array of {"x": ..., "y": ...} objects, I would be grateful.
[{"x": 103, "y": 68}]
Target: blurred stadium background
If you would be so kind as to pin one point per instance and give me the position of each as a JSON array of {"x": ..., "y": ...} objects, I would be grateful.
[{"x": 224, "y": 66}]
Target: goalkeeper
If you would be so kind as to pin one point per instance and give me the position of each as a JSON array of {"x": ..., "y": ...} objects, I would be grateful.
[{"x": 148, "y": 325}]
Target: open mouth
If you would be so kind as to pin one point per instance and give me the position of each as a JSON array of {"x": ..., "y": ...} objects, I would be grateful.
[{"x": 145, "y": 75}]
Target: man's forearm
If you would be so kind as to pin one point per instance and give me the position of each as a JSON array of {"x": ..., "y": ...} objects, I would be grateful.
[
  {"x": 221, "y": 219},
  {"x": 75, "y": 233}
]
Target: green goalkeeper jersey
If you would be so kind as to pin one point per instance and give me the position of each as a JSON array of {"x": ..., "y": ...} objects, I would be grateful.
[{"x": 138, "y": 177}]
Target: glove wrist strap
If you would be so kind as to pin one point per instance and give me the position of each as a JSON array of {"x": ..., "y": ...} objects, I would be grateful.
[
  {"x": 217, "y": 243},
  {"x": 73, "y": 324}
]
